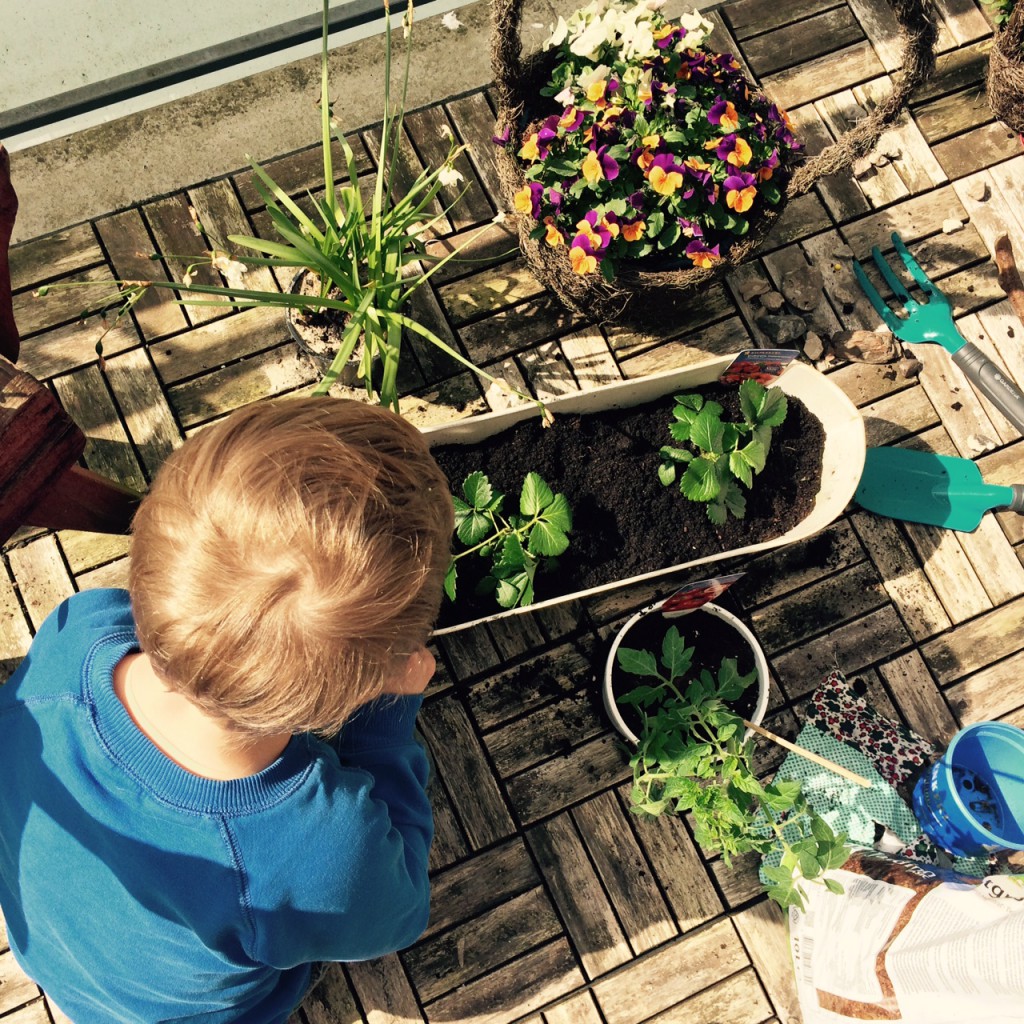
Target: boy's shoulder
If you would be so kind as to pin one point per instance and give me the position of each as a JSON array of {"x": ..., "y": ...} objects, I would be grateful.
[{"x": 71, "y": 631}]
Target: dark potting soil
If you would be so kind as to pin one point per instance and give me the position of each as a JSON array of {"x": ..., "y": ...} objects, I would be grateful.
[
  {"x": 712, "y": 640},
  {"x": 625, "y": 521}
]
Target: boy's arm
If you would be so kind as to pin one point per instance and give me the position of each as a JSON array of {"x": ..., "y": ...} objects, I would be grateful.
[{"x": 379, "y": 824}]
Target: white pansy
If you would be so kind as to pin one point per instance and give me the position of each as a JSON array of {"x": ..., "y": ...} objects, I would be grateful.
[
  {"x": 566, "y": 96},
  {"x": 589, "y": 42},
  {"x": 446, "y": 132},
  {"x": 697, "y": 29},
  {"x": 588, "y": 78},
  {"x": 558, "y": 33}
]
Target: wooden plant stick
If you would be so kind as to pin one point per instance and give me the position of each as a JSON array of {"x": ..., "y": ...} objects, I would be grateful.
[
  {"x": 1009, "y": 276},
  {"x": 810, "y": 755}
]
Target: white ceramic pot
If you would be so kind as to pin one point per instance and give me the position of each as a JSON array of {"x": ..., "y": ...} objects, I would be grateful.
[{"x": 760, "y": 663}]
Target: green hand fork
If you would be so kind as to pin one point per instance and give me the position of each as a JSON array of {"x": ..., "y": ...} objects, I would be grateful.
[{"x": 931, "y": 322}]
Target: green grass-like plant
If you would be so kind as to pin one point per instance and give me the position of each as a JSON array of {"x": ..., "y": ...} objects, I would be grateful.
[
  {"x": 693, "y": 756},
  {"x": 517, "y": 545},
  {"x": 721, "y": 455}
]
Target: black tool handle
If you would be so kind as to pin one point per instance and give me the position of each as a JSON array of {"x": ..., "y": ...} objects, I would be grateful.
[{"x": 993, "y": 382}]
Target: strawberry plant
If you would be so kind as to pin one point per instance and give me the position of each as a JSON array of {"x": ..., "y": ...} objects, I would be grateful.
[
  {"x": 517, "y": 545},
  {"x": 721, "y": 455}
]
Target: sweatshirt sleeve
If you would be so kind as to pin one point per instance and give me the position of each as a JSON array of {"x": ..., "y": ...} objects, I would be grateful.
[{"x": 353, "y": 883}]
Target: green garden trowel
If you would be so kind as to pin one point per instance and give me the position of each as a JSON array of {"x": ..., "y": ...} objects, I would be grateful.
[{"x": 926, "y": 488}]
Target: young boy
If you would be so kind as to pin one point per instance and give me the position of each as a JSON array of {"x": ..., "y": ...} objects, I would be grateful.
[{"x": 211, "y": 780}]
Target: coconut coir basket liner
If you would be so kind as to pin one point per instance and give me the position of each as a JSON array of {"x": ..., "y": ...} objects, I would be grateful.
[
  {"x": 1006, "y": 72},
  {"x": 517, "y": 88}
]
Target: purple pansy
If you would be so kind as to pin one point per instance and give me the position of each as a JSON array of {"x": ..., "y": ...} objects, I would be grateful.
[{"x": 502, "y": 138}]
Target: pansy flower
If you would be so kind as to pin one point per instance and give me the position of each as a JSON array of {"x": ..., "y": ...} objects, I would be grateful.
[
  {"x": 527, "y": 199},
  {"x": 633, "y": 230},
  {"x": 598, "y": 166},
  {"x": 733, "y": 150},
  {"x": 552, "y": 236},
  {"x": 530, "y": 149},
  {"x": 502, "y": 138},
  {"x": 665, "y": 175},
  {"x": 767, "y": 169},
  {"x": 723, "y": 114},
  {"x": 582, "y": 258},
  {"x": 740, "y": 191},
  {"x": 571, "y": 119},
  {"x": 702, "y": 254}
]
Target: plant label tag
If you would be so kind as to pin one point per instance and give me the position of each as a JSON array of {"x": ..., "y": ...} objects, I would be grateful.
[
  {"x": 760, "y": 364},
  {"x": 693, "y": 595}
]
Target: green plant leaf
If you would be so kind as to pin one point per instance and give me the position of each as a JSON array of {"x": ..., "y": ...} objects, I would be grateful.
[
  {"x": 754, "y": 454},
  {"x": 637, "y": 662},
  {"x": 450, "y": 579},
  {"x": 536, "y": 495},
  {"x": 546, "y": 539},
  {"x": 740, "y": 468},
  {"x": 667, "y": 473},
  {"x": 512, "y": 555},
  {"x": 675, "y": 655},
  {"x": 833, "y": 886},
  {"x": 733, "y": 498},
  {"x": 473, "y": 527},
  {"x": 701, "y": 481},
  {"x": 706, "y": 431},
  {"x": 558, "y": 513},
  {"x": 477, "y": 489}
]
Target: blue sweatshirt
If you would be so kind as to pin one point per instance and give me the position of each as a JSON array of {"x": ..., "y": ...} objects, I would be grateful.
[{"x": 136, "y": 891}]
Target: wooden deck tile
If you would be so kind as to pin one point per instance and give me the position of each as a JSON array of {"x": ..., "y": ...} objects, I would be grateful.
[
  {"x": 72, "y": 346},
  {"x": 15, "y": 989},
  {"x": 15, "y": 631},
  {"x": 663, "y": 978},
  {"x": 921, "y": 704},
  {"x": 763, "y": 931},
  {"x": 975, "y": 644},
  {"x": 127, "y": 240},
  {"x": 53, "y": 256},
  {"x": 802, "y": 41},
  {"x": 42, "y": 577},
  {"x": 993, "y": 692},
  {"x": 383, "y": 990}
]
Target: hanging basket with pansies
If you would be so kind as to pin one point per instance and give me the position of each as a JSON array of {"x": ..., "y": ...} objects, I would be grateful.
[
  {"x": 1005, "y": 85},
  {"x": 634, "y": 156}
]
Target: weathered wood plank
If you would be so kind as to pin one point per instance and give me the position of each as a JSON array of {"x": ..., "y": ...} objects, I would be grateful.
[
  {"x": 918, "y": 698},
  {"x": 15, "y": 631},
  {"x": 474, "y": 122},
  {"x": 212, "y": 345},
  {"x": 624, "y": 872},
  {"x": 331, "y": 1001},
  {"x": 260, "y": 376},
  {"x": 449, "y": 843},
  {"x": 977, "y": 643},
  {"x": 964, "y": 20},
  {"x": 678, "y": 866},
  {"x": 470, "y": 652},
  {"x": 793, "y": 261},
  {"x": 384, "y": 990},
  {"x": 129, "y": 245},
  {"x": 549, "y": 787},
  {"x": 794, "y": 566},
  {"x": 179, "y": 242},
  {"x": 514, "y": 990},
  {"x": 803, "y": 41},
  {"x": 850, "y": 647},
  {"x": 724, "y": 337},
  {"x": 661, "y": 979},
  {"x": 60, "y": 305},
  {"x": 431, "y": 133},
  {"x": 547, "y": 732},
  {"x": 42, "y": 576},
  {"x": 1003, "y": 468},
  {"x": 914, "y": 218},
  {"x": 589, "y": 358},
  {"x": 65, "y": 349},
  {"x": 16, "y": 989},
  {"x": 52, "y": 256},
  {"x": 463, "y": 768},
  {"x": 577, "y": 1009},
  {"x": 949, "y": 570},
  {"x": 763, "y": 929},
  {"x": 742, "y": 994},
  {"x": 990, "y": 693},
  {"x": 951, "y": 115},
  {"x": 407, "y": 168},
  {"x": 903, "y": 577},
  {"x": 488, "y": 879},
  {"x": 897, "y": 416},
  {"x": 113, "y": 574},
  {"x": 85, "y": 551},
  {"x": 489, "y": 291},
  {"x": 821, "y": 606},
  {"x": 470, "y": 950},
  {"x": 148, "y": 418},
  {"x": 108, "y": 451},
  {"x": 976, "y": 149},
  {"x": 546, "y": 371},
  {"x": 752, "y": 17},
  {"x": 221, "y": 215},
  {"x": 824, "y": 76},
  {"x": 582, "y": 902}
]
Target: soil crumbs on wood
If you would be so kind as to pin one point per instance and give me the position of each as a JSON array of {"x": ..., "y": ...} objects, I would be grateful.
[{"x": 625, "y": 521}]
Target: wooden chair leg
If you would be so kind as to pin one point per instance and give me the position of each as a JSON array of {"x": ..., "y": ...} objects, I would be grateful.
[
  {"x": 82, "y": 500},
  {"x": 9, "y": 339}
]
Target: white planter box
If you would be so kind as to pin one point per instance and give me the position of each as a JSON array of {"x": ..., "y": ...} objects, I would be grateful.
[{"x": 842, "y": 458}]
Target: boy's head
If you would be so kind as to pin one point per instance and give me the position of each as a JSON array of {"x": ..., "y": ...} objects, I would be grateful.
[{"x": 288, "y": 558}]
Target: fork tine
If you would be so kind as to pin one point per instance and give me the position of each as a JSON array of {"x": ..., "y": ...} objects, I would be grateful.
[
  {"x": 897, "y": 286},
  {"x": 892, "y": 321},
  {"x": 913, "y": 266}
]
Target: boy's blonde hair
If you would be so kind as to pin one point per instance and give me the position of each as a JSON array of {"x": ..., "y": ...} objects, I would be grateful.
[{"x": 287, "y": 559}]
